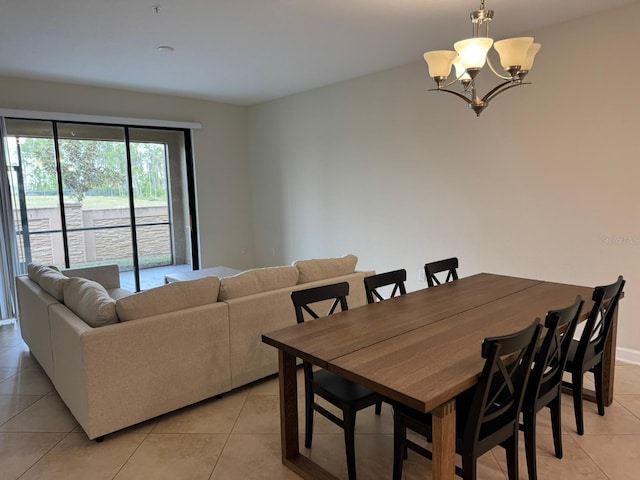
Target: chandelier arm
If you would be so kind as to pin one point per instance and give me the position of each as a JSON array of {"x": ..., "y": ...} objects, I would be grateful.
[
  {"x": 503, "y": 87},
  {"x": 495, "y": 72},
  {"x": 463, "y": 97},
  {"x": 459, "y": 79},
  {"x": 498, "y": 89},
  {"x": 450, "y": 83}
]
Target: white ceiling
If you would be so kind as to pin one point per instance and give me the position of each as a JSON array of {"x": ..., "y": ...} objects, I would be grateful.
[{"x": 246, "y": 51}]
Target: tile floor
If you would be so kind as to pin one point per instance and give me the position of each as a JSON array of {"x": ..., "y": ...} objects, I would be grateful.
[{"x": 237, "y": 437}]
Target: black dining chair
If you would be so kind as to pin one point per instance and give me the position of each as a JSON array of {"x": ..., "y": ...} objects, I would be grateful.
[
  {"x": 374, "y": 282},
  {"x": 545, "y": 381},
  {"x": 346, "y": 395},
  {"x": 448, "y": 265},
  {"x": 487, "y": 415},
  {"x": 587, "y": 353}
]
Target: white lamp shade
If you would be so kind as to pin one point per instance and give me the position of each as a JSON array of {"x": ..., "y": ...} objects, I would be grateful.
[
  {"x": 461, "y": 72},
  {"x": 439, "y": 62},
  {"x": 513, "y": 51},
  {"x": 531, "y": 55},
  {"x": 473, "y": 51}
]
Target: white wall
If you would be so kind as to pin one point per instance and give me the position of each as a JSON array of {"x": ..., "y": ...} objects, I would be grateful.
[
  {"x": 544, "y": 184},
  {"x": 220, "y": 150}
]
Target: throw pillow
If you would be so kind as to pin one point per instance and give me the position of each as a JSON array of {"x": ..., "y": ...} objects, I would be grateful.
[
  {"x": 320, "y": 269},
  {"x": 35, "y": 269},
  {"x": 90, "y": 301},
  {"x": 52, "y": 282},
  {"x": 168, "y": 298},
  {"x": 256, "y": 281}
]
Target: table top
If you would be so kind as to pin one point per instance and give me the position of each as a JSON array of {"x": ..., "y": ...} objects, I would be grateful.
[{"x": 423, "y": 348}]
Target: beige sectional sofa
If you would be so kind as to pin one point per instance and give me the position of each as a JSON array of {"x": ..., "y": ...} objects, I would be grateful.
[{"x": 118, "y": 358}]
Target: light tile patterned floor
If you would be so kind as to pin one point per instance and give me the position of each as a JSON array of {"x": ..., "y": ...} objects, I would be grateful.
[{"x": 237, "y": 437}]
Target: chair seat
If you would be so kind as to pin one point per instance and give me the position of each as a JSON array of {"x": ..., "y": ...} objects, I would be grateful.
[
  {"x": 573, "y": 348},
  {"x": 340, "y": 387}
]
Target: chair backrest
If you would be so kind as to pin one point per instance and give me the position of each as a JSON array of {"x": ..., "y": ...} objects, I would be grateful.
[
  {"x": 551, "y": 358},
  {"x": 449, "y": 265},
  {"x": 395, "y": 278},
  {"x": 498, "y": 397},
  {"x": 302, "y": 299},
  {"x": 323, "y": 296},
  {"x": 598, "y": 325}
]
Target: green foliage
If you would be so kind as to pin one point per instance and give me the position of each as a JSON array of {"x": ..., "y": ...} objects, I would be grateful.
[
  {"x": 83, "y": 168},
  {"x": 148, "y": 171},
  {"x": 91, "y": 165}
]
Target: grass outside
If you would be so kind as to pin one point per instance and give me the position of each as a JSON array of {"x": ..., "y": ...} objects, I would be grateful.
[{"x": 90, "y": 202}]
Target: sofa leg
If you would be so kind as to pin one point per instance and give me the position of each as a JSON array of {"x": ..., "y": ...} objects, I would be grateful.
[{"x": 100, "y": 439}]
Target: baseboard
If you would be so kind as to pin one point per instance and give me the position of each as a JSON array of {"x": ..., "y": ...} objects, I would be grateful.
[{"x": 628, "y": 355}]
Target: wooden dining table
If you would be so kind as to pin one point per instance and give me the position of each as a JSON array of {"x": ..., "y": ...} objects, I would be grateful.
[{"x": 420, "y": 349}]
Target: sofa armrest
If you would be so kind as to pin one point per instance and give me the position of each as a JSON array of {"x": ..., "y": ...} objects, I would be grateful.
[
  {"x": 33, "y": 317},
  {"x": 115, "y": 376},
  {"x": 106, "y": 275}
]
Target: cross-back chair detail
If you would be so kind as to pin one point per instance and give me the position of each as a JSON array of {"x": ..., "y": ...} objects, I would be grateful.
[
  {"x": 486, "y": 415},
  {"x": 374, "y": 282},
  {"x": 544, "y": 386},
  {"x": 587, "y": 353},
  {"x": 448, "y": 265}
]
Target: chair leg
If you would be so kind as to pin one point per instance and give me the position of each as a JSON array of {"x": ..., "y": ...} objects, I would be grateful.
[
  {"x": 469, "y": 467},
  {"x": 598, "y": 376},
  {"x": 308, "y": 415},
  {"x": 399, "y": 447},
  {"x": 378, "y": 408},
  {"x": 349, "y": 417},
  {"x": 511, "y": 450},
  {"x": 530, "y": 443},
  {"x": 555, "y": 408},
  {"x": 576, "y": 380}
]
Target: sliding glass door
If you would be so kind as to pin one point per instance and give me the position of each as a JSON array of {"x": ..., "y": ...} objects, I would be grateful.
[{"x": 89, "y": 194}]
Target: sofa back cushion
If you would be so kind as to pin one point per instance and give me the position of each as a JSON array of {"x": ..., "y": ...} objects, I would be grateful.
[
  {"x": 90, "y": 301},
  {"x": 323, "y": 268},
  {"x": 49, "y": 278},
  {"x": 256, "y": 281},
  {"x": 106, "y": 275},
  {"x": 168, "y": 298},
  {"x": 34, "y": 269}
]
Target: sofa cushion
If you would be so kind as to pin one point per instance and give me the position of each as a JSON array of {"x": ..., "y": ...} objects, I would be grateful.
[
  {"x": 117, "y": 293},
  {"x": 49, "y": 278},
  {"x": 52, "y": 282},
  {"x": 256, "y": 281},
  {"x": 35, "y": 269},
  {"x": 320, "y": 269},
  {"x": 90, "y": 301},
  {"x": 168, "y": 298}
]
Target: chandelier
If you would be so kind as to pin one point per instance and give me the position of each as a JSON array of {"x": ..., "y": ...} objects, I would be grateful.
[{"x": 471, "y": 55}]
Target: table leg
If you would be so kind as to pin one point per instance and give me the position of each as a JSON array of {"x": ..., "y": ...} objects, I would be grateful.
[
  {"x": 288, "y": 406},
  {"x": 289, "y": 423},
  {"x": 444, "y": 441}
]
